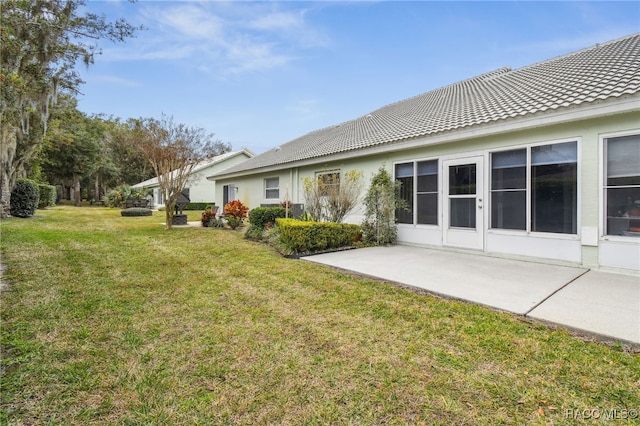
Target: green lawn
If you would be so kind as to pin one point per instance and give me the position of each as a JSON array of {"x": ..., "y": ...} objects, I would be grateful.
[{"x": 112, "y": 320}]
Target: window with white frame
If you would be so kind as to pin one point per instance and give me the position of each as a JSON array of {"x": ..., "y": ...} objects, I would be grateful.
[
  {"x": 425, "y": 192},
  {"x": 622, "y": 185},
  {"x": 404, "y": 174},
  {"x": 272, "y": 188},
  {"x": 329, "y": 182},
  {"x": 509, "y": 189},
  {"x": 545, "y": 177}
]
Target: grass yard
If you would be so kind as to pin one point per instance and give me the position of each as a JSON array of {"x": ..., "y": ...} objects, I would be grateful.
[{"x": 112, "y": 320}]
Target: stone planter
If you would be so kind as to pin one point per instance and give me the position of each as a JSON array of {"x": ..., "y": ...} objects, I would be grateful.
[{"x": 179, "y": 219}]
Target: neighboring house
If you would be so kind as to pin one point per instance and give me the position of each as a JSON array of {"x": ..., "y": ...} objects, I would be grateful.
[
  {"x": 199, "y": 189},
  {"x": 538, "y": 162}
]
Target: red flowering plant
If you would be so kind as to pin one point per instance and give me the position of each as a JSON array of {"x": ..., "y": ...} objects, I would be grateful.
[{"x": 235, "y": 212}]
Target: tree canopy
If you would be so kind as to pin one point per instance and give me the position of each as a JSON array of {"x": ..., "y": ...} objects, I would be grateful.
[
  {"x": 174, "y": 150},
  {"x": 42, "y": 43}
]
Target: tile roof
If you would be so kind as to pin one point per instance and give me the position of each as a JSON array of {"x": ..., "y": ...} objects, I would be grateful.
[{"x": 602, "y": 72}]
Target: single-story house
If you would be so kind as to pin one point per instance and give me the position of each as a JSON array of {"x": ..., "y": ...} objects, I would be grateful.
[
  {"x": 541, "y": 162},
  {"x": 199, "y": 189}
]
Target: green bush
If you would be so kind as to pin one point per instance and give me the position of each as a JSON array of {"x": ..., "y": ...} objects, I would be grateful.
[
  {"x": 135, "y": 211},
  {"x": 306, "y": 237},
  {"x": 261, "y": 219},
  {"x": 48, "y": 195},
  {"x": 24, "y": 198},
  {"x": 263, "y": 216},
  {"x": 382, "y": 203},
  {"x": 254, "y": 232},
  {"x": 215, "y": 223},
  {"x": 117, "y": 196},
  {"x": 234, "y": 222}
]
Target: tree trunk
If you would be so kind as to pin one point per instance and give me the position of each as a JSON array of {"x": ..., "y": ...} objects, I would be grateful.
[
  {"x": 169, "y": 215},
  {"x": 96, "y": 194},
  {"x": 8, "y": 145},
  {"x": 5, "y": 194},
  {"x": 77, "y": 195}
]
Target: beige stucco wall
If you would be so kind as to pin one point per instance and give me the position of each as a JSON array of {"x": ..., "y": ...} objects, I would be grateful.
[
  {"x": 588, "y": 133},
  {"x": 202, "y": 190}
]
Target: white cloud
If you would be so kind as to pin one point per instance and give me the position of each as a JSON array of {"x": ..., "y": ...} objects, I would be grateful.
[
  {"x": 278, "y": 21},
  {"x": 248, "y": 55},
  {"x": 186, "y": 21},
  {"x": 222, "y": 37}
]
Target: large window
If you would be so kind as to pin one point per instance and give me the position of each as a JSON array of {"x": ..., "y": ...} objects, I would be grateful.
[
  {"x": 622, "y": 185},
  {"x": 404, "y": 174},
  {"x": 272, "y": 188},
  {"x": 329, "y": 182},
  {"x": 425, "y": 192},
  {"x": 509, "y": 189},
  {"x": 551, "y": 186},
  {"x": 554, "y": 188}
]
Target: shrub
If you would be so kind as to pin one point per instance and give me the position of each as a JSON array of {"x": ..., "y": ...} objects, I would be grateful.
[
  {"x": 135, "y": 211},
  {"x": 381, "y": 203},
  {"x": 206, "y": 216},
  {"x": 234, "y": 222},
  {"x": 215, "y": 223},
  {"x": 118, "y": 196},
  {"x": 261, "y": 219},
  {"x": 304, "y": 237},
  {"x": 198, "y": 206},
  {"x": 263, "y": 216},
  {"x": 254, "y": 232},
  {"x": 331, "y": 196},
  {"x": 48, "y": 195},
  {"x": 235, "y": 212},
  {"x": 24, "y": 198}
]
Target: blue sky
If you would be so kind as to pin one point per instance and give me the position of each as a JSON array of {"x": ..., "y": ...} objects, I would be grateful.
[{"x": 259, "y": 74}]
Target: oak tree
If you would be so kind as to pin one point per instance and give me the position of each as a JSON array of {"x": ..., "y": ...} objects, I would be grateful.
[{"x": 42, "y": 43}]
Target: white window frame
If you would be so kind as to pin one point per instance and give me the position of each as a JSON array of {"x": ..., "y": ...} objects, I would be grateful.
[
  {"x": 268, "y": 188},
  {"x": 529, "y": 206},
  {"x": 602, "y": 182},
  {"x": 414, "y": 206},
  {"x": 338, "y": 172},
  {"x": 490, "y": 191}
]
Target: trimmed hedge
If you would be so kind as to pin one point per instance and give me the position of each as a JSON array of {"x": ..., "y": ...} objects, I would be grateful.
[
  {"x": 24, "y": 198},
  {"x": 48, "y": 195},
  {"x": 198, "y": 206},
  {"x": 135, "y": 211},
  {"x": 305, "y": 237}
]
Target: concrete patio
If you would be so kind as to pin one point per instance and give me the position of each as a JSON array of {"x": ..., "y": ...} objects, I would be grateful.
[{"x": 596, "y": 303}]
